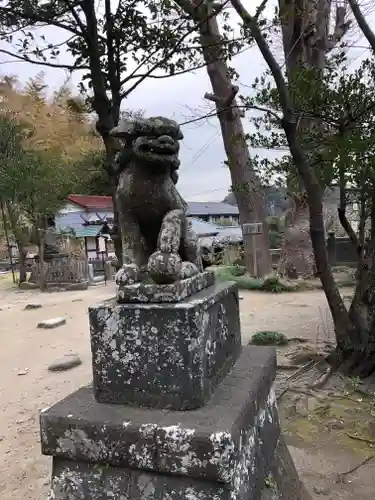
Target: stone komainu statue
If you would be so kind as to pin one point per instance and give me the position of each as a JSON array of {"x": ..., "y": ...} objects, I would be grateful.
[{"x": 156, "y": 235}]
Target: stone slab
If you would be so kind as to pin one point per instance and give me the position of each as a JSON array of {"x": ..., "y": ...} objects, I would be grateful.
[
  {"x": 79, "y": 428},
  {"x": 68, "y": 362},
  {"x": 285, "y": 482},
  {"x": 85, "y": 481},
  {"x": 169, "y": 355},
  {"x": 28, "y": 285},
  {"x": 30, "y": 307},
  {"x": 52, "y": 323},
  {"x": 223, "y": 450},
  {"x": 175, "y": 292}
]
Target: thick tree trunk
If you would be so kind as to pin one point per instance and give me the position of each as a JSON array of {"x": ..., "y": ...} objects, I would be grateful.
[
  {"x": 107, "y": 110},
  {"x": 20, "y": 237},
  {"x": 308, "y": 176},
  {"x": 245, "y": 183},
  {"x": 357, "y": 356},
  {"x": 22, "y": 260},
  {"x": 297, "y": 256},
  {"x": 42, "y": 279}
]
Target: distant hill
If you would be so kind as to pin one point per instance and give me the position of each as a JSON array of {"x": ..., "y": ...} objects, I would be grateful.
[{"x": 276, "y": 200}]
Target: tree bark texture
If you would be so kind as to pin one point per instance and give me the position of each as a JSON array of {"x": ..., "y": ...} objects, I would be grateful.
[
  {"x": 22, "y": 263},
  {"x": 355, "y": 329},
  {"x": 245, "y": 183},
  {"x": 297, "y": 256},
  {"x": 306, "y": 40},
  {"x": 107, "y": 110},
  {"x": 20, "y": 235}
]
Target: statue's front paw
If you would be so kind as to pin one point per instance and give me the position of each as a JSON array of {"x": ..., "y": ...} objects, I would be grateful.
[
  {"x": 128, "y": 274},
  {"x": 164, "y": 268},
  {"x": 188, "y": 270}
]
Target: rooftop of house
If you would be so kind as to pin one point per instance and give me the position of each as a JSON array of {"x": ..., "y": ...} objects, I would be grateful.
[
  {"x": 91, "y": 201},
  {"x": 195, "y": 208},
  {"x": 211, "y": 208},
  {"x": 202, "y": 228}
]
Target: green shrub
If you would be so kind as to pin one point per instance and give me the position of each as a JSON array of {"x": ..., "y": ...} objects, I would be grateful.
[
  {"x": 237, "y": 270},
  {"x": 249, "y": 283},
  {"x": 271, "y": 284},
  {"x": 269, "y": 338},
  {"x": 275, "y": 238}
]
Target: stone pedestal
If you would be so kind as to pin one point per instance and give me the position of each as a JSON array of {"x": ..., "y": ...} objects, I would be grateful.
[
  {"x": 166, "y": 355},
  {"x": 221, "y": 451},
  {"x": 155, "y": 361}
]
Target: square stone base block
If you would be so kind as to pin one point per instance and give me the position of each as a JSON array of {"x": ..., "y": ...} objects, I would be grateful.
[
  {"x": 167, "y": 355},
  {"x": 221, "y": 451},
  {"x": 175, "y": 292}
]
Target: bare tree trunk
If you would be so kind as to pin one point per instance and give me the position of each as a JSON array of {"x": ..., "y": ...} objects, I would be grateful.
[
  {"x": 107, "y": 110},
  {"x": 42, "y": 279},
  {"x": 297, "y": 256},
  {"x": 22, "y": 261},
  {"x": 306, "y": 40},
  {"x": 20, "y": 236},
  {"x": 357, "y": 355},
  {"x": 245, "y": 183},
  {"x": 362, "y": 23},
  {"x": 307, "y": 175}
]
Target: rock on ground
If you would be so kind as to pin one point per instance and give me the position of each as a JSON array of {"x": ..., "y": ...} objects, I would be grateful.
[
  {"x": 52, "y": 323},
  {"x": 66, "y": 363},
  {"x": 32, "y": 306}
]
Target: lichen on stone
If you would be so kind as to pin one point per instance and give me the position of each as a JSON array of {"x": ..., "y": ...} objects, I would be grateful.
[{"x": 156, "y": 234}]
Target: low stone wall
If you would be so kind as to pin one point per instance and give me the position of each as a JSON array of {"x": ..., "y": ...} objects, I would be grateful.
[{"x": 62, "y": 270}]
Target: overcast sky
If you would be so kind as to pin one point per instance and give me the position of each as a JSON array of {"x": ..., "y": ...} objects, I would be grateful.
[{"x": 203, "y": 175}]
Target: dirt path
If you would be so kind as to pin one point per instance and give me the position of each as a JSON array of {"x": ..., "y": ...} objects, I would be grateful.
[{"x": 26, "y": 386}]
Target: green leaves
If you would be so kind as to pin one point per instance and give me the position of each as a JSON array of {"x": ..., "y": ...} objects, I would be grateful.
[
  {"x": 335, "y": 115},
  {"x": 37, "y": 183},
  {"x": 117, "y": 44}
]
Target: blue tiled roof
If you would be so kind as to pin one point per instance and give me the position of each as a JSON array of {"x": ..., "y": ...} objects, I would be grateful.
[
  {"x": 88, "y": 231},
  {"x": 203, "y": 228},
  {"x": 215, "y": 208}
]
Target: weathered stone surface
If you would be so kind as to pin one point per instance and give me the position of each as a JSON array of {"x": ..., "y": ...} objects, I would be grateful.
[
  {"x": 74, "y": 287},
  {"x": 175, "y": 292},
  {"x": 156, "y": 234},
  {"x": 222, "y": 451},
  {"x": 52, "y": 323},
  {"x": 29, "y": 307},
  {"x": 68, "y": 362},
  {"x": 285, "y": 483},
  {"x": 53, "y": 286},
  {"x": 28, "y": 285},
  {"x": 165, "y": 355}
]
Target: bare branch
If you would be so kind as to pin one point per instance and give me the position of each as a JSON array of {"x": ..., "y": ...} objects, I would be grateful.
[
  {"x": 212, "y": 97},
  {"x": 274, "y": 67},
  {"x": 260, "y": 9},
  {"x": 76, "y": 17},
  {"x": 27, "y": 59},
  {"x": 170, "y": 53},
  {"x": 35, "y": 19},
  {"x": 242, "y": 113},
  {"x": 225, "y": 102},
  {"x": 143, "y": 77},
  {"x": 362, "y": 23},
  {"x": 341, "y": 28}
]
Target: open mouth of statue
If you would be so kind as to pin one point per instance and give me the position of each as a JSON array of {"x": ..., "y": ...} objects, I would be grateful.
[{"x": 159, "y": 149}]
